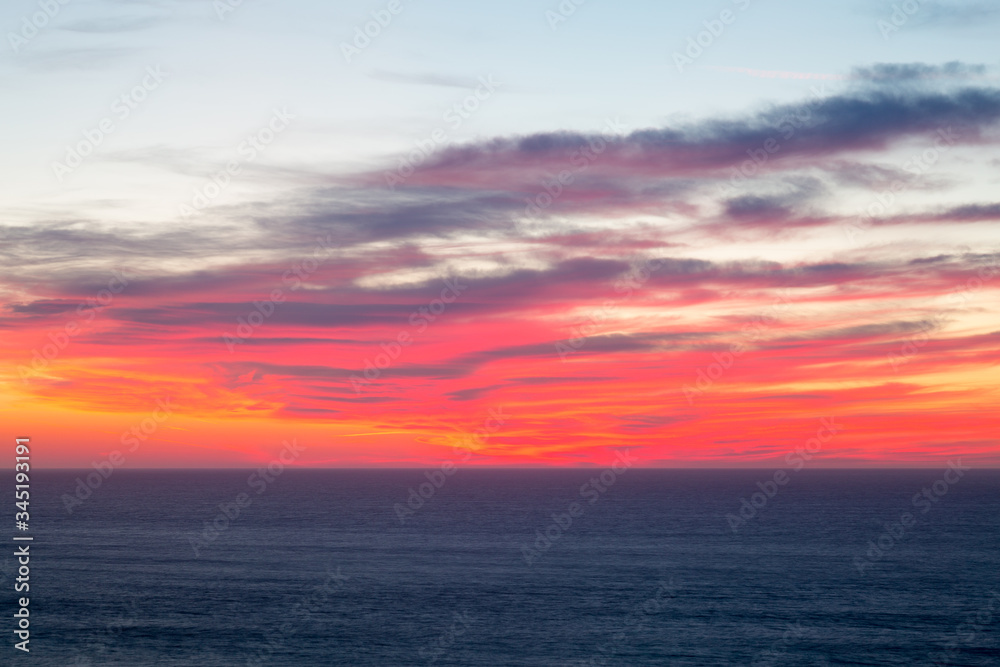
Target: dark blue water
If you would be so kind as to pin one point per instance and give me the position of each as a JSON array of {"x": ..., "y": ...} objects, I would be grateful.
[{"x": 318, "y": 569}]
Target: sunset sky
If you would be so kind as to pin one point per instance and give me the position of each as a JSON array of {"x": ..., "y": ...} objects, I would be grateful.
[{"x": 574, "y": 232}]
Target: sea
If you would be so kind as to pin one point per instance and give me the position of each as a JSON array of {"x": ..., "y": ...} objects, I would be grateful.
[{"x": 464, "y": 566}]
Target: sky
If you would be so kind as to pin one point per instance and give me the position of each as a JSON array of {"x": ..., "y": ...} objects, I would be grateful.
[{"x": 411, "y": 233}]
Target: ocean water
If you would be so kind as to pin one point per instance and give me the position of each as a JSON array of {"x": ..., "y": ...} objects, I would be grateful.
[{"x": 512, "y": 567}]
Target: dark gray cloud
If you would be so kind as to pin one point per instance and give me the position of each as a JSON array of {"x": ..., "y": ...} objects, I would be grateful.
[
  {"x": 867, "y": 117},
  {"x": 869, "y": 176},
  {"x": 44, "y": 307},
  {"x": 363, "y": 216},
  {"x": 906, "y": 72},
  {"x": 641, "y": 423},
  {"x": 287, "y": 313},
  {"x": 755, "y": 207},
  {"x": 661, "y": 168},
  {"x": 561, "y": 379},
  {"x": 864, "y": 331},
  {"x": 472, "y": 393},
  {"x": 965, "y": 213},
  {"x": 605, "y": 344}
]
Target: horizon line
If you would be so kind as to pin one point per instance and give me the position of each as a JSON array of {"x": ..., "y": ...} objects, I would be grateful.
[{"x": 485, "y": 467}]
